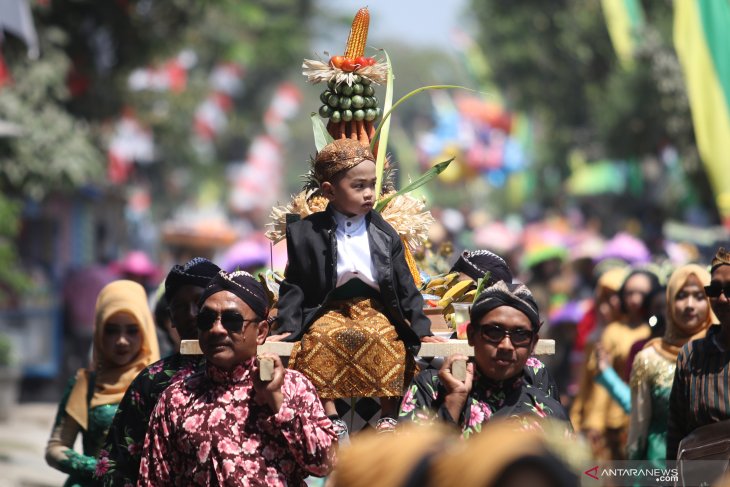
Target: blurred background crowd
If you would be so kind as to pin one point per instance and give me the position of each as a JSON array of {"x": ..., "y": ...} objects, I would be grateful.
[{"x": 135, "y": 135}]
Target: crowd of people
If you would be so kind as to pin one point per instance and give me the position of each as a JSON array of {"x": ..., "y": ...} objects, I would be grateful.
[{"x": 350, "y": 305}]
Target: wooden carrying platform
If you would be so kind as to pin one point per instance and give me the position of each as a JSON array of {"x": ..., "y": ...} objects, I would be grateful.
[{"x": 442, "y": 349}]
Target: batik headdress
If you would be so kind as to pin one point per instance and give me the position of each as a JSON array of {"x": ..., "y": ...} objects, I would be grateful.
[
  {"x": 338, "y": 156},
  {"x": 516, "y": 296},
  {"x": 722, "y": 257}
]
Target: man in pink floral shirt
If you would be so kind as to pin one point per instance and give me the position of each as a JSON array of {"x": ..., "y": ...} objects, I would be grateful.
[
  {"x": 223, "y": 425},
  {"x": 502, "y": 381}
]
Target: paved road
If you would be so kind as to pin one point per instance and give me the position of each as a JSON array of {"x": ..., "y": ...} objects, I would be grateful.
[{"x": 22, "y": 445}]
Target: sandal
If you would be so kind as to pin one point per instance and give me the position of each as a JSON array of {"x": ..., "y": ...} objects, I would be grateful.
[
  {"x": 386, "y": 425},
  {"x": 340, "y": 427}
]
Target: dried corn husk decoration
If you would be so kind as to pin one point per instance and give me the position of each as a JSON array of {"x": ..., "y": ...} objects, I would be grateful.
[
  {"x": 320, "y": 72},
  {"x": 404, "y": 213},
  {"x": 411, "y": 263},
  {"x": 303, "y": 204},
  {"x": 408, "y": 216}
]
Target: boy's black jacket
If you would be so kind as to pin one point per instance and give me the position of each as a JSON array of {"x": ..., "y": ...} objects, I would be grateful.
[{"x": 311, "y": 275}]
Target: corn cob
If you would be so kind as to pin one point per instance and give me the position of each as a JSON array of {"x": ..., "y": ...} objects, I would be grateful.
[
  {"x": 411, "y": 263},
  {"x": 358, "y": 34}
]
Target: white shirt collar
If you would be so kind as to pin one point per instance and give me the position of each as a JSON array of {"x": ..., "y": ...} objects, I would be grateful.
[{"x": 348, "y": 223}]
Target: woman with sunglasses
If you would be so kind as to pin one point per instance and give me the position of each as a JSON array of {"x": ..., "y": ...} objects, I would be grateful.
[
  {"x": 652, "y": 373},
  {"x": 700, "y": 393},
  {"x": 124, "y": 344},
  {"x": 501, "y": 381}
]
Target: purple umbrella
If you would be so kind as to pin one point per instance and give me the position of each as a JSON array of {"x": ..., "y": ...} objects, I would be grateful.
[
  {"x": 569, "y": 312},
  {"x": 625, "y": 247},
  {"x": 246, "y": 254}
]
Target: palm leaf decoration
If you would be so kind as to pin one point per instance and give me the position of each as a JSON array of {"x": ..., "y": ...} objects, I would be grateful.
[
  {"x": 481, "y": 284},
  {"x": 321, "y": 136},
  {"x": 383, "y": 127},
  {"x": 423, "y": 179},
  {"x": 381, "y": 138}
]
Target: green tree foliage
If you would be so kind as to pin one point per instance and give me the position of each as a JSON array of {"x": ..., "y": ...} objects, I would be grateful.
[
  {"x": 11, "y": 279},
  {"x": 66, "y": 101},
  {"x": 54, "y": 149}
]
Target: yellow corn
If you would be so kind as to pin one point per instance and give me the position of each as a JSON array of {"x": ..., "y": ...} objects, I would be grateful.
[
  {"x": 411, "y": 261},
  {"x": 358, "y": 34}
]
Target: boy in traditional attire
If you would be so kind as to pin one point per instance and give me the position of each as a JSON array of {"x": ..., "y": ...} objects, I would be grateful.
[{"x": 349, "y": 295}]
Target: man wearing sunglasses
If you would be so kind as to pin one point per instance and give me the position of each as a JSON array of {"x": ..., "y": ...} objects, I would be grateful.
[
  {"x": 223, "y": 425},
  {"x": 701, "y": 390},
  {"x": 503, "y": 380},
  {"x": 122, "y": 451}
]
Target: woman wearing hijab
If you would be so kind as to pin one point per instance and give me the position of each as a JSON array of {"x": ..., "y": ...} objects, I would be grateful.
[
  {"x": 689, "y": 315},
  {"x": 700, "y": 394},
  {"x": 616, "y": 340},
  {"x": 124, "y": 344},
  {"x": 587, "y": 413}
]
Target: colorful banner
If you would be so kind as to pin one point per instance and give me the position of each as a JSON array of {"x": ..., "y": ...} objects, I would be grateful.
[
  {"x": 702, "y": 41},
  {"x": 256, "y": 183}
]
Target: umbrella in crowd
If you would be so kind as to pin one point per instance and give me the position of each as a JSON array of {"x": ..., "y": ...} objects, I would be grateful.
[{"x": 626, "y": 247}]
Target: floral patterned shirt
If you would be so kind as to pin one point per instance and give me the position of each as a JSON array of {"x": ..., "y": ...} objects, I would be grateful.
[
  {"x": 532, "y": 393},
  {"x": 118, "y": 462},
  {"x": 209, "y": 430}
]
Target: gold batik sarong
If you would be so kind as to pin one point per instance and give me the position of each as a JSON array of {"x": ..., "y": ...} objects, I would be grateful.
[{"x": 353, "y": 350}]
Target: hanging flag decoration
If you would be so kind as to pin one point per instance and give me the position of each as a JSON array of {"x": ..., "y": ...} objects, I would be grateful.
[
  {"x": 5, "y": 78},
  {"x": 701, "y": 38},
  {"x": 211, "y": 116},
  {"x": 172, "y": 75},
  {"x": 257, "y": 182},
  {"x": 624, "y": 19},
  {"x": 130, "y": 143}
]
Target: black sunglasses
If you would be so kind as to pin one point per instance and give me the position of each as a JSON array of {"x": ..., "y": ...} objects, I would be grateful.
[
  {"x": 715, "y": 289},
  {"x": 231, "y": 320},
  {"x": 495, "y": 334}
]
